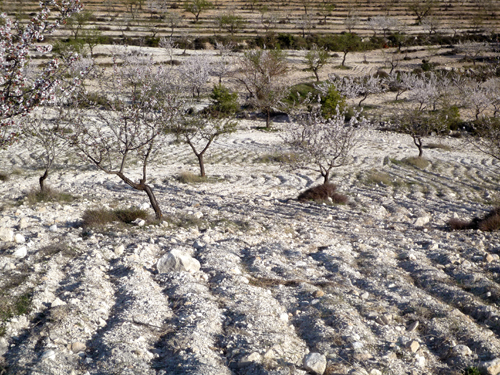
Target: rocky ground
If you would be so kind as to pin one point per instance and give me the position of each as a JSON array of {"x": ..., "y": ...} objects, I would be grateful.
[{"x": 377, "y": 286}]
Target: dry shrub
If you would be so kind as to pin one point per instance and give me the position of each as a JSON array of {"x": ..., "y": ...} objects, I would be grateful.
[
  {"x": 490, "y": 222},
  {"x": 438, "y": 146},
  {"x": 190, "y": 178},
  {"x": 417, "y": 162},
  {"x": 339, "y": 198},
  {"x": 321, "y": 193},
  {"x": 48, "y": 195},
  {"x": 100, "y": 217},
  {"x": 457, "y": 224},
  {"x": 4, "y": 176}
]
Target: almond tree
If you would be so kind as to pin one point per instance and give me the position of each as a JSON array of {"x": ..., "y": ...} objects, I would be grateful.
[
  {"x": 421, "y": 116},
  {"x": 196, "y": 73},
  {"x": 141, "y": 101},
  {"x": 263, "y": 72},
  {"x": 224, "y": 64},
  {"x": 321, "y": 144},
  {"x": 370, "y": 85},
  {"x": 45, "y": 127},
  {"x": 17, "y": 43},
  {"x": 196, "y": 7},
  {"x": 316, "y": 58},
  {"x": 199, "y": 132}
]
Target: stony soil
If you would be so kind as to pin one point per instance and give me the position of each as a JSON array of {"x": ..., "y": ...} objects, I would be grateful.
[{"x": 378, "y": 286}]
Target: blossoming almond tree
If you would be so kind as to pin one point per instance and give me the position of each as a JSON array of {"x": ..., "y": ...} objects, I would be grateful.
[
  {"x": 321, "y": 144},
  {"x": 18, "y": 41},
  {"x": 129, "y": 123}
]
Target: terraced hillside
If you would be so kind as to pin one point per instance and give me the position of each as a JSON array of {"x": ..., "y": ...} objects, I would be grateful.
[{"x": 134, "y": 18}]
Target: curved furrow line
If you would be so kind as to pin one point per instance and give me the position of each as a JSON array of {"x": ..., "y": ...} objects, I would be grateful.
[
  {"x": 255, "y": 322},
  {"x": 76, "y": 307},
  {"x": 438, "y": 284}
]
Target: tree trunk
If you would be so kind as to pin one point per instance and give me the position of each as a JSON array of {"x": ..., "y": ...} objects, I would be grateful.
[
  {"x": 268, "y": 118},
  {"x": 144, "y": 187},
  {"x": 418, "y": 142},
  {"x": 316, "y": 74},
  {"x": 42, "y": 179},
  {"x": 343, "y": 60},
  {"x": 326, "y": 177},
  {"x": 202, "y": 165}
]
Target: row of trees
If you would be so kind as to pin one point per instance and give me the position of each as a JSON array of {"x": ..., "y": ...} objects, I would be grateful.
[{"x": 140, "y": 107}]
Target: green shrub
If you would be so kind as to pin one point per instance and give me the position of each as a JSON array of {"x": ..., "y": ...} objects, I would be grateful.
[
  {"x": 331, "y": 101},
  {"x": 223, "y": 101},
  {"x": 299, "y": 92},
  {"x": 11, "y": 306}
]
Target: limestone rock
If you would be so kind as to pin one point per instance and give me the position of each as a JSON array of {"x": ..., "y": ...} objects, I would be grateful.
[
  {"x": 6, "y": 235},
  {"x": 491, "y": 258},
  {"x": 78, "y": 347},
  {"x": 19, "y": 238},
  {"x": 421, "y": 221},
  {"x": 21, "y": 252},
  {"x": 249, "y": 359},
  {"x": 413, "y": 346},
  {"x": 176, "y": 260},
  {"x": 315, "y": 362},
  {"x": 461, "y": 350},
  {"x": 492, "y": 367}
]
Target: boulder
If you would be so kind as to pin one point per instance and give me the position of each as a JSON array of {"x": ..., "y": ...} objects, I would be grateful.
[{"x": 176, "y": 260}]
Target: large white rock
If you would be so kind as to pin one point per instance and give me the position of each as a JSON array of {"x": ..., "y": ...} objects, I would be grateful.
[
  {"x": 315, "y": 362},
  {"x": 176, "y": 260}
]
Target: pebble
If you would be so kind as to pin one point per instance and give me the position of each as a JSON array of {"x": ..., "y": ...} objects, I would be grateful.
[
  {"x": 413, "y": 346},
  {"x": 489, "y": 258},
  {"x": 49, "y": 354},
  {"x": 77, "y": 347},
  {"x": 21, "y": 252},
  {"x": 461, "y": 350},
  {"x": 413, "y": 326},
  {"x": 318, "y": 294},
  {"x": 249, "y": 359},
  {"x": 6, "y": 235},
  {"x": 53, "y": 228},
  {"x": 19, "y": 238},
  {"x": 315, "y": 362},
  {"x": 119, "y": 250}
]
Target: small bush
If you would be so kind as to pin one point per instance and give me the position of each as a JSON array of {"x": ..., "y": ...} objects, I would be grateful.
[
  {"x": 11, "y": 306},
  {"x": 301, "y": 91},
  {"x": 472, "y": 371},
  {"x": 190, "y": 178},
  {"x": 4, "y": 176},
  {"x": 331, "y": 101},
  {"x": 489, "y": 223},
  {"x": 321, "y": 193},
  {"x": 277, "y": 157},
  {"x": 48, "y": 195},
  {"x": 378, "y": 177},
  {"x": 223, "y": 101},
  {"x": 438, "y": 146},
  {"x": 417, "y": 162},
  {"x": 100, "y": 217}
]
